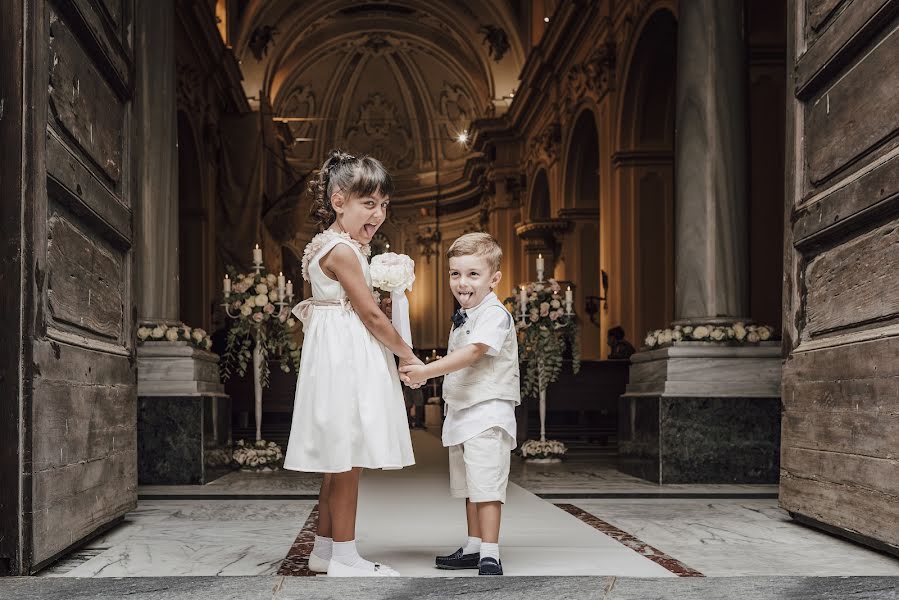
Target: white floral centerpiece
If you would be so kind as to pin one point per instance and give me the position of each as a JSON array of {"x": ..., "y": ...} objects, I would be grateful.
[
  {"x": 257, "y": 456},
  {"x": 543, "y": 450},
  {"x": 736, "y": 334},
  {"x": 151, "y": 332},
  {"x": 546, "y": 327},
  {"x": 394, "y": 274}
]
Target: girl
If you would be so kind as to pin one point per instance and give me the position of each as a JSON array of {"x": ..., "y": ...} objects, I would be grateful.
[{"x": 349, "y": 412}]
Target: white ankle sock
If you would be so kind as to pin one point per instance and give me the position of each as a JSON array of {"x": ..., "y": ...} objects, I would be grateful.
[
  {"x": 473, "y": 546},
  {"x": 322, "y": 547},
  {"x": 346, "y": 554},
  {"x": 491, "y": 550}
]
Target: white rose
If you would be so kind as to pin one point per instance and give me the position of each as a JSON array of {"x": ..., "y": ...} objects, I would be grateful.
[
  {"x": 171, "y": 335},
  {"x": 271, "y": 279},
  {"x": 765, "y": 333},
  {"x": 677, "y": 335},
  {"x": 688, "y": 330},
  {"x": 143, "y": 333},
  {"x": 730, "y": 333},
  {"x": 196, "y": 335},
  {"x": 157, "y": 333},
  {"x": 700, "y": 333},
  {"x": 291, "y": 322},
  {"x": 261, "y": 299},
  {"x": 555, "y": 304},
  {"x": 650, "y": 341},
  {"x": 273, "y": 296},
  {"x": 717, "y": 334},
  {"x": 739, "y": 331},
  {"x": 753, "y": 337},
  {"x": 261, "y": 288},
  {"x": 245, "y": 310}
]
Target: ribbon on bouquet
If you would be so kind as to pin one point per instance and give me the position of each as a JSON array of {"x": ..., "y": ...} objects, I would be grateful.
[{"x": 401, "y": 316}]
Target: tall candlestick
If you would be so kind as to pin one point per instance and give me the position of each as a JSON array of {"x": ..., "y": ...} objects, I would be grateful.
[
  {"x": 257, "y": 255},
  {"x": 289, "y": 289},
  {"x": 226, "y": 286},
  {"x": 540, "y": 267},
  {"x": 524, "y": 299},
  {"x": 280, "y": 286},
  {"x": 568, "y": 299}
]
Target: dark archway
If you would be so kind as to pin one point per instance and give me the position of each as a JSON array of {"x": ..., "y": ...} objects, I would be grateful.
[
  {"x": 539, "y": 206},
  {"x": 192, "y": 230},
  {"x": 646, "y": 170}
]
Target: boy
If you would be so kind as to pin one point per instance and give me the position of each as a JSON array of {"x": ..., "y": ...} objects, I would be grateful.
[{"x": 481, "y": 390}]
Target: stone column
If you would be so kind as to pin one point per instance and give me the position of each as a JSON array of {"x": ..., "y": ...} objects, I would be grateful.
[
  {"x": 156, "y": 167},
  {"x": 183, "y": 414},
  {"x": 710, "y": 163}
]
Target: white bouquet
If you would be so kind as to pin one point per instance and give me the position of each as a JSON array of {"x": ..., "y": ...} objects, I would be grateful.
[{"x": 395, "y": 273}]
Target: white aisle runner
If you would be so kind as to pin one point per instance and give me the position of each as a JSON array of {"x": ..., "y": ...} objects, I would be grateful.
[{"x": 406, "y": 517}]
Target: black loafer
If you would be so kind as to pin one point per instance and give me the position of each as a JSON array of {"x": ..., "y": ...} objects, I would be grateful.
[
  {"x": 490, "y": 566},
  {"x": 457, "y": 560}
]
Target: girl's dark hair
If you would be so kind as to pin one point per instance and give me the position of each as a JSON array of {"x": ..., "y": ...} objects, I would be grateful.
[{"x": 353, "y": 176}]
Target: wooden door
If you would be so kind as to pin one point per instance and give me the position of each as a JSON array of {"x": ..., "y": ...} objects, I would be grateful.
[
  {"x": 840, "y": 443},
  {"x": 74, "y": 471}
]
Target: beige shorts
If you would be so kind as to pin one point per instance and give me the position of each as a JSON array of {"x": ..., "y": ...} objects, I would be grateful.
[{"x": 479, "y": 467}]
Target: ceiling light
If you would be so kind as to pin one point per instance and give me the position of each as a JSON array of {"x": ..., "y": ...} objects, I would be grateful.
[{"x": 546, "y": 19}]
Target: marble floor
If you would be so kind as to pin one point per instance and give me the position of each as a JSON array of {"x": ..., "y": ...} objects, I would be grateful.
[{"x": 592, "y": 521}]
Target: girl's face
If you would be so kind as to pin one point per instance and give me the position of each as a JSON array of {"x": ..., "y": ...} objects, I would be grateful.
[{"x": 360, "y": 216}]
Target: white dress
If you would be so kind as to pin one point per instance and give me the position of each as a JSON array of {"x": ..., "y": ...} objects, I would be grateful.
[{"x": 349, "y": 409}]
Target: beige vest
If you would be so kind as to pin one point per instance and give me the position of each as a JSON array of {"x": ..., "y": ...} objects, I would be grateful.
[{"x": 489, "y": 377}]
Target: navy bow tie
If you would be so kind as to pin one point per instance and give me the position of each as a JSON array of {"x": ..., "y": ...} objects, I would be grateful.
[{"x": 459, "y": 317}]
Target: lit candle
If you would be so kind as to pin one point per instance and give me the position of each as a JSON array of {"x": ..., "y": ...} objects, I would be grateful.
[
  {"x": 289, "y": 289},
  {"x": 257, "y": 255},
  {"x": 540, "y": 267},
  {"x": 524, "y": 299},
  {"x": 568, "y": 299},
  {"x": 226, "y": 286},
  {"x": 280, "y": 284}
]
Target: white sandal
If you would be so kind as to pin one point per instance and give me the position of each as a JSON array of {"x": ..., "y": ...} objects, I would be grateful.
[
  {"x": 317, "y": 564},
  {"x": 336, "y": 569}
]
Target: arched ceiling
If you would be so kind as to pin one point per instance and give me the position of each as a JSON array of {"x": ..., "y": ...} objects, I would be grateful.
[{"x": 398, "y": 79}]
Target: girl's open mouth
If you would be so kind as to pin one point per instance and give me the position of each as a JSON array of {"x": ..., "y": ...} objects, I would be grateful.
[{"x": 369, "y": 229}]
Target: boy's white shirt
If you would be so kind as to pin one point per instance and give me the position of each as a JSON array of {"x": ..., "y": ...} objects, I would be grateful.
[{"x": 461, "y": 425}]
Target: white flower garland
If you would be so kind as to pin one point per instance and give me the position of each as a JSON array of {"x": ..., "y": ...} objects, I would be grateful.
[
  {"x": 738, "y": 333},
  {"x": 260, "y": 455},
  {"x": 174, "y": 333},
  {"x": 545, "y": 449}
]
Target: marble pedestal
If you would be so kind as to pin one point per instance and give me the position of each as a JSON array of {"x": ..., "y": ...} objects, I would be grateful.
[
  {"x": 183, "y": 415},
  {"x": 698, "y": 412}
]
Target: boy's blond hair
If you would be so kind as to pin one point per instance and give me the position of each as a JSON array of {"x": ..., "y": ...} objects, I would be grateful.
[{"x": 477, "y": 244}]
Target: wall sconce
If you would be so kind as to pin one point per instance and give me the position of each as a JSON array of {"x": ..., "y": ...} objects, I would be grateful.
[{"x": 592, "y": 302}]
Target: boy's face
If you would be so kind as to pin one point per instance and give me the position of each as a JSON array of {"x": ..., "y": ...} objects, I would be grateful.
[
  {"x": 360, "y": 216},
  {"x": 471, "y": 279}
]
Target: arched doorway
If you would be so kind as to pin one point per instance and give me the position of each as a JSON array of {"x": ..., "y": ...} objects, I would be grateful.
[
  {"x": 581, "y": 247},
  {"x": 644, "y": 166},
  {"x": 192, "y": 231}
]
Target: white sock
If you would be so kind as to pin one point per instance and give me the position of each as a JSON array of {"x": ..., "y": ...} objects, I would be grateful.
[
  {"x": 491, "y": 550},
  {"x": 473, "y": 546},
  {"x": 322, "y": 547},
  {"x": 346, "y": 554}
]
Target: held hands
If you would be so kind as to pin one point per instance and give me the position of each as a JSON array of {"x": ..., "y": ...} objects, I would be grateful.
[
  {"x": 413, "y": 375},
  {"x": 410, "y": 363},
  {"x": 387, "y": 306}
]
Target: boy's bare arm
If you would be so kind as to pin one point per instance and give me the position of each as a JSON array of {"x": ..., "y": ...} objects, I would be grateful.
[{"x": 455, "y": 360}]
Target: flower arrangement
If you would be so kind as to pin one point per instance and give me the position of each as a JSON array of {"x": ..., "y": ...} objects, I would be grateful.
[
  {"x": 261, "y": 317},
  {"x": 737, "y": 334},
  {"x": 174, "y": 333},
  {"x": 544, "y": 333},
  {"x": 257, "y": 456},
  {"x": 545, "y": 449},
  {"x": 395, "y": 273}
]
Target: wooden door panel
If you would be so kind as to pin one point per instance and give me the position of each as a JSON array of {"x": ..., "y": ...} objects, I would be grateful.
[{"x": 840, "y": 427}]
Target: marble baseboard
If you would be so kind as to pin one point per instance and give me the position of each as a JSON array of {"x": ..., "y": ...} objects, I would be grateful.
[
  {"x": 670, "y": 440},
  {"x": 183, "y": 439}
]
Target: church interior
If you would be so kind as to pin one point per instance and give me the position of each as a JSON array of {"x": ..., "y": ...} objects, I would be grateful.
[{"x": 712, "y": 187}]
